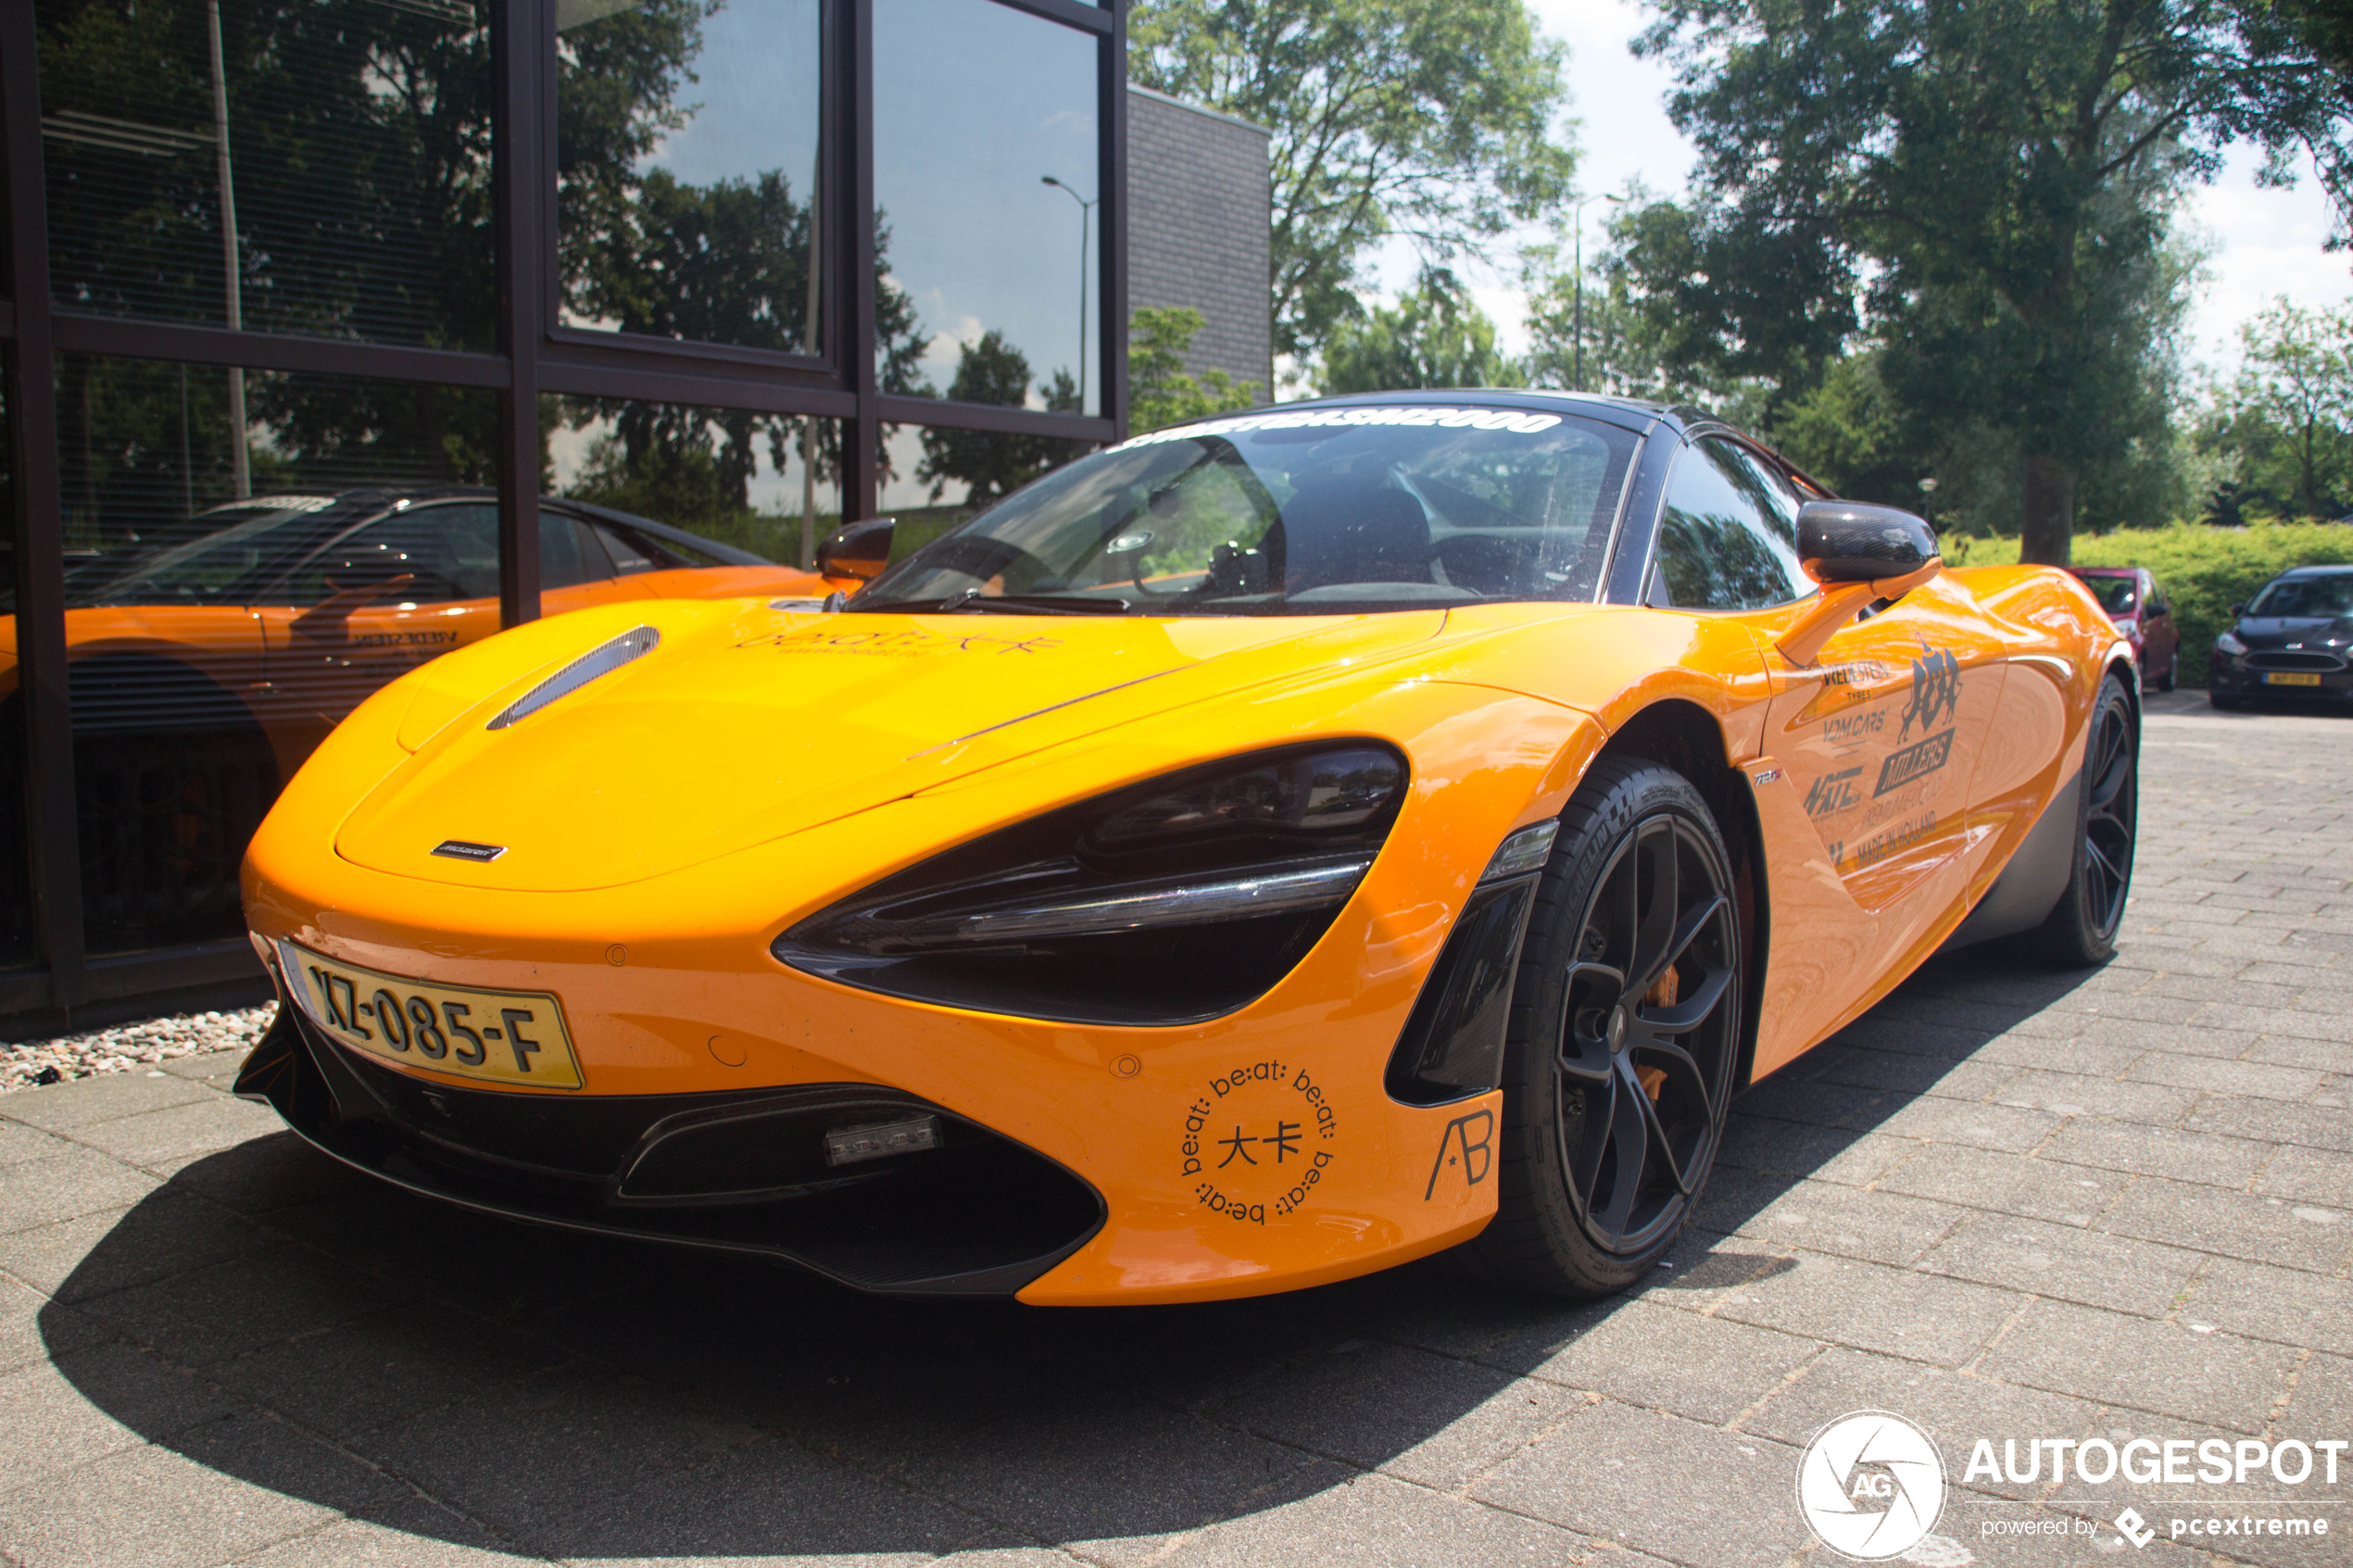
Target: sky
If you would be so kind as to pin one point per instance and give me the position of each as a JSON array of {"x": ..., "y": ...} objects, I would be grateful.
[{"x": 2265, "y": 243}]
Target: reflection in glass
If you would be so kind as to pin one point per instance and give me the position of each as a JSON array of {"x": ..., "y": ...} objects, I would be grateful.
[
  {"x": 297, "y": 166},
  {"x": 18, "y": 941},
  {"x": 199, "y": 676},
  {"x": 766, "y": 484},
  {"x": 977, "y": 109},
  {"x": 686, "y": 160},
  {"x": 1721, "y": 542}
]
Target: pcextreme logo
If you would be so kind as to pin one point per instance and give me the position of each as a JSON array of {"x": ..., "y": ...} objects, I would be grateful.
[{"x": 1871, "y": 1485}]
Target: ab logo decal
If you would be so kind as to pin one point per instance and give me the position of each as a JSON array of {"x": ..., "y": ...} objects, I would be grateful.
[{"x": 1470, "y": 1143}]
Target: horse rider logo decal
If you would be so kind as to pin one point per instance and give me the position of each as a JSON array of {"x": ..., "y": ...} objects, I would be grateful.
[{"x": 1936, "y": 691}]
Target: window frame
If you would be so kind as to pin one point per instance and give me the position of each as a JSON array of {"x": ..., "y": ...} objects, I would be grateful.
[{"x": 533, "y": 354}]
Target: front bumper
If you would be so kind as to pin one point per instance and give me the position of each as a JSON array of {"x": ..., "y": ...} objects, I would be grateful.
[
  {"x": 739, "y": 1170},
  {"x": 2235, "y": 677}
]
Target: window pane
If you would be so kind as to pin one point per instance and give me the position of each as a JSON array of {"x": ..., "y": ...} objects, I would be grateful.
[
  {"x": 687, "y": 154},
  {"x": 17, "y": 940},
  {"x": 989, "y": 276},
  {"x": 214, "y": 639},
  {"x": 1715, "y": 550},
  {"x": 358, "y": 167},
  {"x": 730, "y": 486}
]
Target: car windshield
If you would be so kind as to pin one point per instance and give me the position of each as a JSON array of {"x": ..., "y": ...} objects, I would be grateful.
[
  {"x": 2326, "y": 596},
  {"x": 217, "y": 569},
  {"x": 1300, "y": 512},
  {"x": 2117, "y": 596}
]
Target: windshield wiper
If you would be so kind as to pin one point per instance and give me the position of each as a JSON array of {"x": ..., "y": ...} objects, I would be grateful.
[
  {"x": 974, "y": 601},
  {"x": 978, "y": 603}
]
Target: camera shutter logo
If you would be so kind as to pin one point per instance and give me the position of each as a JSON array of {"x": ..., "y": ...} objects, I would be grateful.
[{"x": 1871, "y": 1485}]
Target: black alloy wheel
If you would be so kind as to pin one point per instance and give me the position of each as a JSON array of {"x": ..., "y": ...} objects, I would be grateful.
[
  {"x": 1625, "y": 1039},
  {"x": 2082, "y": 928}
]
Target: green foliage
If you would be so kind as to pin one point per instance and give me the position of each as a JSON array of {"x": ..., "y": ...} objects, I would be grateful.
[
  {"x": 2285, "y": 426},
  {"x": 1430, "y": 118},
  {"x": 1159, "y": 392},
  {"x": 2204, "y": 571},
  {"x": 1985, "y": 189},
  {"x": 1434, "y": 336},
  {"x": 989, "y": 464}
]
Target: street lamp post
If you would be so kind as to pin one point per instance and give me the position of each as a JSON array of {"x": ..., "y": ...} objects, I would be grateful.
[
  {"x": 1086, "y": 217},
  {"x": 1577, "y": 378}
]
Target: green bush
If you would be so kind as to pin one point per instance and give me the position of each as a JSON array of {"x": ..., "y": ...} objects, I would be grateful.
[{"x": 2204, "y": 571}]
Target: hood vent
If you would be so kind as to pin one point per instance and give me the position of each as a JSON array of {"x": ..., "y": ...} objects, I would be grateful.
[{"x": 603, "y": 660}]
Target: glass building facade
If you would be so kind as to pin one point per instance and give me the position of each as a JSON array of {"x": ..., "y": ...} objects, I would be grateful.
[{"x": 316, "y": 316}]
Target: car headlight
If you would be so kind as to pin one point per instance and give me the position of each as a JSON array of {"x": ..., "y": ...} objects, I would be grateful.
[
  {"x": 1166, "y": 902},
  {"x": 2229, "y": 643}
]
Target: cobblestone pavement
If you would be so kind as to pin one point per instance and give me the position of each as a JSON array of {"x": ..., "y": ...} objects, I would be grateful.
[{"x": 2006, "y": 1204}]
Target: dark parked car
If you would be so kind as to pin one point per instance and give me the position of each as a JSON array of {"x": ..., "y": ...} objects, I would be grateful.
[
  {"x": 2292, "y": 640},
  {"x": 2137, "y": 604}
]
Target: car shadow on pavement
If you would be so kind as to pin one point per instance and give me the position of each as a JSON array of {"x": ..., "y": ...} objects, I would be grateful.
[{"x": 278, "y": 1320}]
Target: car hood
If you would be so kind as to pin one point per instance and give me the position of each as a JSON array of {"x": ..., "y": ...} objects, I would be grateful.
[
  {"x": 2277, "y": 631},
  {"x": 745, "y": 724}
]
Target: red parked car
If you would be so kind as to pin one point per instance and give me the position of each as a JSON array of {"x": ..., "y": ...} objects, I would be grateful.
[{"x": 2136, "y": 604}]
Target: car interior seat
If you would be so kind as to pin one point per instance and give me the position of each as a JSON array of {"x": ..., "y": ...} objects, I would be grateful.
[{"x": 1363, "y": 532}]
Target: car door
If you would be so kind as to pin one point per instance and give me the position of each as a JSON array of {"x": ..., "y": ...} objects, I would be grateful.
[
  {"x": 2160, "y": 639},
  {"x": 1869, "y": 753}
]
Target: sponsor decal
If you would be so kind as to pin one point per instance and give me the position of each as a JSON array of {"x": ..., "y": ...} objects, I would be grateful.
[
  {"x": 1468, "y": 1144},
  {"x": 1871, "y": 1485},
  {"x": 1936, "y": 691},
  {"x": 1895, "y": 841},
  {"x": 1833, "y": 792},
  {"x": 1846, "y": 733},
  {"x": 908, "y": 642},
  {"x": 1258, "y": 1140},
  {"x": 1517, "y": 421},
  {"x": 1844, "y": 686},
  {"x": 1915, "y": 761}
]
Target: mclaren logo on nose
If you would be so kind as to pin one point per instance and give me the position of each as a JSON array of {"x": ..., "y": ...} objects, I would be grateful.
[{"x": 463, "y": 849}]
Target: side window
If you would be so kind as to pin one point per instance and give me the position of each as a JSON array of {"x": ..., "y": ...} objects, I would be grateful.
[
  {"x": 633, "y": 552},
  {"x": 1778, "y": 499},
  {"x": 561, "y": 561},
  {"x": 1717, "y": 549},
  {"x": 430, "y": 554}
]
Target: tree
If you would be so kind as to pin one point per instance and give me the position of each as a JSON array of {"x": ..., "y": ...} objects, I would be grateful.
[
  {"x": 1428, "y": 118},
  {"x": 1998, "y": 176},
  {"x": 989, "y": 464},
  {"x": 1434, "y": 336},
  {"x": 2288, "y": 420},
  {"x": 1159, "y": 393}
]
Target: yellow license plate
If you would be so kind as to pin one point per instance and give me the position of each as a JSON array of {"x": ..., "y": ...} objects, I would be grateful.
[
  {"x": 505, "y": 1036},
  {"x": 2287, "y": 678}
]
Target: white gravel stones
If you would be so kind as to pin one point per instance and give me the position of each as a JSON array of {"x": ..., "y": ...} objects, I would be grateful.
[{"x": 127, "y": 1047}]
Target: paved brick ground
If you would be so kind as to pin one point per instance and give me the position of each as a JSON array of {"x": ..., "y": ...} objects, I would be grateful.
[{"x": 2006, "y": 1203}]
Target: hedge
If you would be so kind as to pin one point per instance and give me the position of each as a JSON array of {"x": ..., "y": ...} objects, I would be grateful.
[{"x": 2204, "y": 571}]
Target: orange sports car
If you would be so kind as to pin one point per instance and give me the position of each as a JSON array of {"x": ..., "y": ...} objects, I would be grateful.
[{"x": 1260, "y": 853}]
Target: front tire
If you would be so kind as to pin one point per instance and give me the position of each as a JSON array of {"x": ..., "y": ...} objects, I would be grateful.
[
  {"x": 1624, "y": 1040},
  {"x": 2080, "y": 930}
]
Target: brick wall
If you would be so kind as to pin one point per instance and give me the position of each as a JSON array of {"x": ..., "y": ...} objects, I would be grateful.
[{"x": 1199, "y": 207}]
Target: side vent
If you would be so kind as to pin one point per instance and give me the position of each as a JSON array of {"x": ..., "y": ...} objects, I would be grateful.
[{"x": 1452, "y": 1044}]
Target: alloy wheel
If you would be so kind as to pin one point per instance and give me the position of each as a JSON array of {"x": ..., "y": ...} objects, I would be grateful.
[
  {"x": 2108, "y": 819},
  {"x": 1648, "y": 1036}
]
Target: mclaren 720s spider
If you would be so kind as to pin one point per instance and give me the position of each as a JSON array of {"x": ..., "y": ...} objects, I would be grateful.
[{"x": 1263, "y": 852}]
